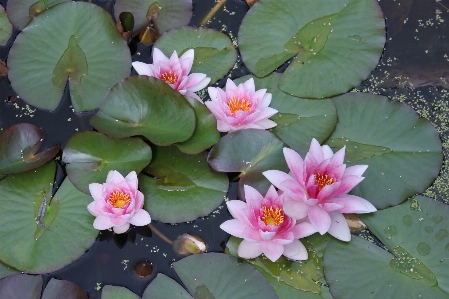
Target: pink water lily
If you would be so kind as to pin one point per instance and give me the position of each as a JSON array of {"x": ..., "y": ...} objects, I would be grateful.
[
  {"x": 317, "y": 189},
  {"x": 241, "y": 107},
  {"x": 265, "y": 228},
  {"x": 117, "y": 203},
  {"x": 175, "y": 72}
]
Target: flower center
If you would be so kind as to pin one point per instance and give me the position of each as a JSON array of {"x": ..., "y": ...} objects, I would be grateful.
[
  {"x": 323, "y": 180},
  {"x": 272, "y": 216},
  {"x": 239, "y": 104},
  {"x": 169, "y": 77},
  {"x": 118, "y": 199}
]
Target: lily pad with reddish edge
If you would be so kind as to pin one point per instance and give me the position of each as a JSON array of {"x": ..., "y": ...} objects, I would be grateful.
[
  {"x": 299, "y": 120},
  {"x": 21, "y": 286},
  {"x": 147, "y": 106},
  {"x": 57, "y": 289},
  {"x": 415, "y": 233},
  {"x": 214, "y": 53},
  {"x": 170, "y": 13},
  {"x": 89, "y": 156},
  {"x": 249, "y": 152},
  {"x": 5, "y": 27},
  {"x": 116, "y": 292},
  {"x": 334, "y": 44},
  {"x": 67, "y": 49},
  {"x": 183, "y": 187},
  {"x": 18, "y": 146},
  {"x": 402, "y": 150},
  {"x": 44, "y": 246}
]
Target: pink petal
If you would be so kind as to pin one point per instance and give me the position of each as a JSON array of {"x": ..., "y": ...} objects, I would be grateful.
[
  {"x": 96, "y": 191},
  {"x": 253, "y": 197},
  {"x": 276, "y": 177},
  {"x": 193, "y": 96},
  {"x": 327, "y": 151},
  {"x": 121, "y": 229},
  {"x": 320, "y": 219},
  {"x": 296, "y": 251},
  {"x": 272, "y": 194},
  {"x": 249, "y": 250},
  {"x": 234, "y": 227},
  {"x": 302, "y": 230},
  {"x": 353, "y": 204},
  {"x": 131, "y": 178},
  {"x": 338, "y": 158},
  {"x": 114, "y": 177},
  {"x": 348, "y": 183},
  {"x": 215, "y": 108},
  {"x": 102, "y": 223},
  {"x": 195, "y": 82},
  {"x": 225, "y": 127},
  {"x": 331, "y": 206},
  {"x": 159, "y": 57},
  {"x": 295, "y": 209},
  {"x": 249, "y": 84},
  {"x": 213, "y": 93},
  {"x": 236, "y": 208},
  {"x": 142, "y": 68},
  {"x": 264, "y": 113},
  {"x": 267, "y": 124},
  {"x": 186, "y": 60},
  {"x": 339, "y": 227},
  {"x": 266, "y": 100},
  {"x": 266, "y": 236},
  {"x": 316, "y": 151},
  {"x": 272, "y": 251},
  {"x": 357, "y": 170},
  {"x": 140, "y": 218},
  {"x": 295, "y": 164}
]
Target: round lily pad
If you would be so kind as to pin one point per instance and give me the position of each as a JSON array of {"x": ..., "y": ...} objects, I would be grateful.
[
  {"x": 21, "y": 286},
  {"x": 163, "y": 287},
  {"x": 147, "y": 106},
  {"x": 299, "y": 120},
  {"x": 41, "y": 233},
  {"x": 416, "y": 234},
  {"x": 183, "y": 188},
  {"x": 18, "y": 146},
  {"x": 6, "y": 270},
  {"x": 91, "y": 155},
  {"x": 57, "y": 289},
  {"x": 5, "y": 27},
  {"x": 21, "y": 12},
  {"x": 66, "y": 48},
  {"x": 403, "y": 151},
  {"x": 170, "y": 13},
  {"x": 214, "y": 53},
  {"x": 249, "y": 152},
  {"x": 334, "y": 44},
  {"x": 115, "y": 292}
]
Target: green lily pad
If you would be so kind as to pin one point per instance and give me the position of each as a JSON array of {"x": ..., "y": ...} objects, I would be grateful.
[
  {"x": 115, "y": 292},
  {"x": 214, "y": 53},
  {"x": 57, "y": 289},
  {"x": 163, "y": 287},
  {"x": 21, "y": 286},
  {"x": 91, "y": 155},
  {"x": 183, "y": 187},
  {"x": 292, "y": 279},
  {"x": 21, "y": 12},
  {"x": 299, "y": 120},
  {"x": 403, "y": 151},
  {"x": 335, "y": 44},
  {"x": 66, "y": 48},
  {"x": 249, "y": 152},
  {"x": 415, "y": 233},
  {"x": 28, "y": 246},
  {"x": 170, "y": 13},
  {"x": 143, "y": 105},
  {"x": 6, "y": 270},
  {"x": 5, "y": 27},
  {"x": 18, "y": 146},
  {"x": 205, "y": 134}
]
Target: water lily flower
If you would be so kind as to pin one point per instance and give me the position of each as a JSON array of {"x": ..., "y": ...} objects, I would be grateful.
[
  {"x": 117, "y": 203},
  {"x": 175, "y": 72},
  {"x": 317, "y": 189},
  {"x": 241, "y": 107},
  {"x": 265, "y": 228}
]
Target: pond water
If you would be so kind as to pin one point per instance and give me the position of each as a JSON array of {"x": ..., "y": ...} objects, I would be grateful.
[{"x": 414, "y": 69}]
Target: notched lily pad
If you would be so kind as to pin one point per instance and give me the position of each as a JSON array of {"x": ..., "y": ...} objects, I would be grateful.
[
  {"x": 67, "y": 49},
  {"x": 214, "y": 53},
  {"x": 91, "y": 155},
  {"x": 18, "y": 147}
]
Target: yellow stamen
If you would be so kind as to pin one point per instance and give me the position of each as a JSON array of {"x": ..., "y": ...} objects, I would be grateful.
[
  {"x": 118, "y": 199},
  {"x": 239, "y": 104},
  {"x": 169, "y": 77},
  {"x": 323, "y": 180},
  {"x": 272, "y": 216}
]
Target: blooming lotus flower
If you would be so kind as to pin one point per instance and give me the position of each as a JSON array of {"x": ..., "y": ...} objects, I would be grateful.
[
  {"x": 175, "y": 72},
  {"x": 317, "y": 189},
  {"x": 117, "y": 203},
  {"x": 265, "y": 228},
  {"x": 241, "y": 107}
]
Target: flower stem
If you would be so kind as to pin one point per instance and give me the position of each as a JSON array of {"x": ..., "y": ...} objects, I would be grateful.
[
  {"x": 161, "y": 235},
  {"x": 212, "y": 12}
]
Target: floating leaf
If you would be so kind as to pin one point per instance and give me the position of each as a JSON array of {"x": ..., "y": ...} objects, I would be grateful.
[
  {"x": 299, "y": 120},
  {"x": 21, "y": 286},
  {"x": 416, "y": 267},
  {"x": 66, "y": 47},
  {"x": 143, "y": 105},
  {"x": 18, "y": 146},
  {"x": 115, "y": 292},
  {"x": 214, "y": 53},
  {"x": 91, "y": 155},
  {"x": 335, "y": 44},
  {"x": 171, "y": 13},
  {"x": 25, "y": 244},
  {"x": 163, "y": 287},
  {"x": 5, "y": 27},
  {"x": 57, "y": 289},
  {"x": 205, "y": 134},
  {"x": 184, "y": 188},
  {"x": 21, "y": 12},
  {"x": 249, "y": 152},
  {"x": 6, "y": 270},
  {"x": 403, "y": 151}
]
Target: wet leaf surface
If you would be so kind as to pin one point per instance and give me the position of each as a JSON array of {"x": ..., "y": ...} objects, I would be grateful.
[
  {"x": 116, "y": 292},
  {"x": 5, "y": 27}
]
